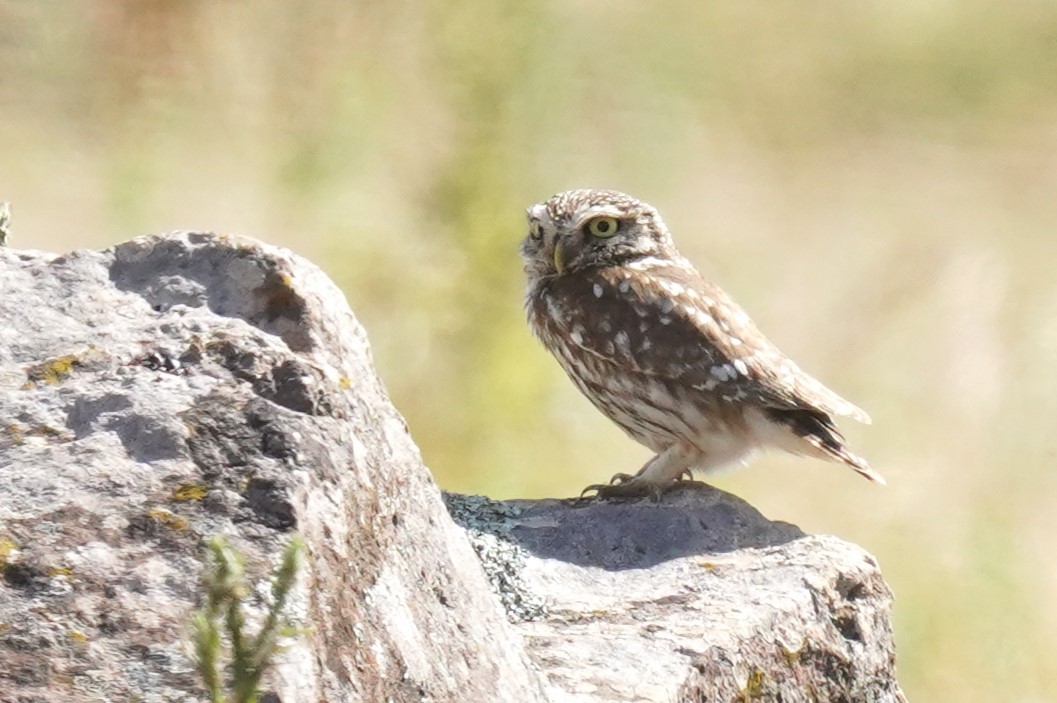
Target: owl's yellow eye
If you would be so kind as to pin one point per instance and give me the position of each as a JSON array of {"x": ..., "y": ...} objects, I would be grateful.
[
  {"x": 603, "y": 226},
  {"x": 535, "y": 229}
]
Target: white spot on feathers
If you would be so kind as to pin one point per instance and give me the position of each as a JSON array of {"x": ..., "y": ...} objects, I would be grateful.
[
  {"x": 701, "y": 317},
  {"x": 724, "y": 372},
  {"x": 671, "y": 288},
  {"x": 597, "y": 288}
]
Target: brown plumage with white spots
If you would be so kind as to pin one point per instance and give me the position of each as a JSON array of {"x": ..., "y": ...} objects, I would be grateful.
[{"x": 666, "y": 355}]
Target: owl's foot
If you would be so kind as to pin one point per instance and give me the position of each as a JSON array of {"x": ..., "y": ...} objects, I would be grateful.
[
  {"x": 615, "y": 482},
  {"x": 625, "y": 486}
]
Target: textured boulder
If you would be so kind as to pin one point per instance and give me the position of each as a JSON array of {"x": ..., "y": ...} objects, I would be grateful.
[
  {"x": 694, "y": 598},
  {"x": 176, "y": 387}
]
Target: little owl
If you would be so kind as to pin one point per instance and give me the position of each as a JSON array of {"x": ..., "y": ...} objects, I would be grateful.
[{"x": 662, "y": 352}]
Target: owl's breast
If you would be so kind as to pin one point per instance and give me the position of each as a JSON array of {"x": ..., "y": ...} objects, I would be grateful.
[{"x": 652, "y": 410}]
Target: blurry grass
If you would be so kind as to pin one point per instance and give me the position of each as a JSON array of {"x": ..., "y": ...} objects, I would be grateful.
[{"x": 873, "y": 181}]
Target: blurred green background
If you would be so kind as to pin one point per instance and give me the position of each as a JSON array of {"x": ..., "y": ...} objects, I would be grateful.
[{"x": 875, "y": 181}]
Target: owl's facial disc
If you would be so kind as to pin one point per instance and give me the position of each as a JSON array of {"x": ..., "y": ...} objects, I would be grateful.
[
  {"x": 597, "y": 236},
  {"x": 587, "y": 229}
]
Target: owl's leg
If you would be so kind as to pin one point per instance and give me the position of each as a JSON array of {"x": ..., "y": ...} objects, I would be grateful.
[{"x": 656, "y": 476}]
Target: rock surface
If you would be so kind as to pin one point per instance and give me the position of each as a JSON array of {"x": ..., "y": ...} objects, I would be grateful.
[
  {"x": 175, "y": 387},
  {"x": 697, "y": 597}
]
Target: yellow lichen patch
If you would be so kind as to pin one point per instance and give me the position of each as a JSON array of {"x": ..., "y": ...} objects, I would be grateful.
[
  {"x": 44, "y": 431},
  {"x": 52, "y": 372},
  {"x": 60, "y": 571},
  {"x": 754, "y": 686},
  {"x": 792, "y": 656},
  {"x": 286, "y": 279},
  {"x": 7, "y": 546},
  {"x": 15, "y": 435},
  {"x": 168, "y": 518},
  {"x": 14, "y": 432},
  {"x": 345, "y": 382},
  {"x": 190, "y": 491},
  {"x": 78, "y": 636},
  {"x": 707, "y": 566}
]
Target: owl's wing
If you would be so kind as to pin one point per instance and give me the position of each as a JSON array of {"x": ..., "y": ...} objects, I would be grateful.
[{"x": 670, "y": 323}]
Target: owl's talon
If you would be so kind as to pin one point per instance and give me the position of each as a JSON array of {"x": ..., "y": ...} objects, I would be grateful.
[
  {"x": 597, "y": 487},
  {"x": 602, "y": 489},
  {"x": 626, "y": 487},
  {"x": 686, "y": 475}
]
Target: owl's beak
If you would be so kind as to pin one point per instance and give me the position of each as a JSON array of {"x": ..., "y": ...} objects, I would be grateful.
[{"x": 559, "y": 257}]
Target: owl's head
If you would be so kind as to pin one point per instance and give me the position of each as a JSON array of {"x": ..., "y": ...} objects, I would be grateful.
[{"x": 587, "y": 229}]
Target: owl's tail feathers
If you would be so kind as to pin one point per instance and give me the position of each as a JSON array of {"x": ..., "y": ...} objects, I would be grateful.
[
  {"x": 842, "y": 454},
  {"x": 820, "y": 434}
]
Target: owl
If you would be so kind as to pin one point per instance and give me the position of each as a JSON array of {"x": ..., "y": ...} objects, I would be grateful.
[{"x": 662, "y": 352}]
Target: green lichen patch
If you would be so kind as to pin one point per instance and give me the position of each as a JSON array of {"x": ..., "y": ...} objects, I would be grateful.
[{"x": 487, "y": 525}]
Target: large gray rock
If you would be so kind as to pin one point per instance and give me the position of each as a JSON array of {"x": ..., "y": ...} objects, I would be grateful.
[
  {"x": 697, "y": 597},
  {"x": 172, "y": 388}
]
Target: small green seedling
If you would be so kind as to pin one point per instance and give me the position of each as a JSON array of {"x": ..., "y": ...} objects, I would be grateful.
[{"x": 221, "y": 619}]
